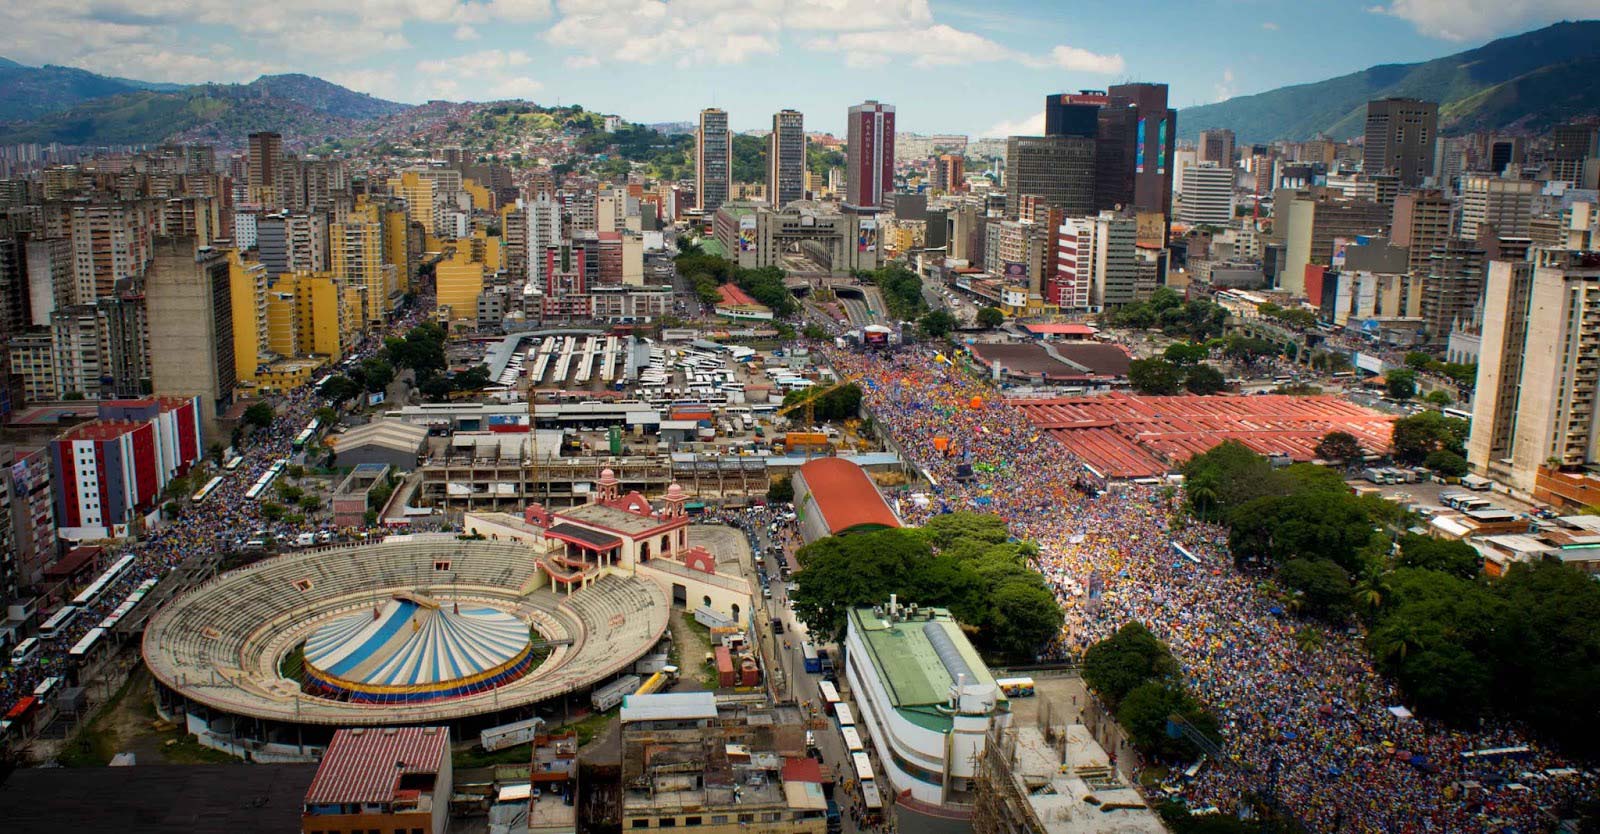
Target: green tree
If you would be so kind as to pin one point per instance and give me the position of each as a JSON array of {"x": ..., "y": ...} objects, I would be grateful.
[
  {"x": 259, "y": 415},
  {"x": 1419, "y": 435},
  {"x": 1228, "y": 476},
  {"x": 272, "y": 511},
  {"x": 340, "y": 389},
  {"x": 1025, "y": 617},
  {"x": 1154, "y": 376},
  {"x": 326, "y": 416},
  {"x": 841, "y": 572},
  {"x": 1418, "y": 361},
  {"x": 1438, "y": 397},
  {"x": 990, "y": 317},
  {"x": 1322, "y": 587},
  {"x": 1548, "y": 652},
  {"x": 1446, "y": 463},
  {"x": 1339, "y": 445},
  {"x": 1400, "y": 383},
  {"x": 1185, "y": 353},
  {"x": 1146, "y": 710},
  {"x": 310, "y": 503},
  {"x": 1126, "y": 660},
  {"x": 781, "y": 490},
  {"x": 1305, "y": 525},
  {"x": 1164, "y": 298},
  {"x": 946, "y": 530},
  {"x": 1428, "y": 553},
  {"x": 936, "y": 324},
  {"x": 814, "y": 332},
  {"x": 1203, "y": 379},
  {"x": 376, "y": 373}
]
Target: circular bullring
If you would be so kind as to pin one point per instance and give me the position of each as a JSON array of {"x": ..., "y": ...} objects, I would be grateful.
[{"x": 481, "y": 612}]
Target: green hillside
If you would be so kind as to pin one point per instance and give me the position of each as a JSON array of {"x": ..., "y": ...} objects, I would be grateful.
[{"x": 1516, "y": 66}]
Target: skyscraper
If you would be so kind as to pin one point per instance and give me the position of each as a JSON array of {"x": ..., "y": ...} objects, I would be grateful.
[
  {"x": 1136, "y": 136},
  {"x": 869, "y": 158},
  {"x": 1400, "y": 139},
  {"x": 713, "y": 166},
  {"x": 1217, "y": 146},
  {"x": 1059, "y": 170},
  {"x": 1207, "y": 195},
  {"x": 786, "y": 158},
  {"x": 265, "y": 155},
  {"x": 949, "y": 174},
  {"x": 1537, "y": 371},
  {"x": 1073, "y": 114}
]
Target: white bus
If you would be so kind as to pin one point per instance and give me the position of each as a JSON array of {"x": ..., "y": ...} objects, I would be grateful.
[
  {"x": 846, "y": 717},
  {"x": 863, "y": 766},
  {"x": 233, "y": 463},
  {"x": 97, "y": 589},
  {"x": 24, "y": 651},
  {"x": 59, "y": 622},
  {"x": 852, "y": 740},
  {"x": 830, "y": 696},
  {"x": 205, "y": 492}
]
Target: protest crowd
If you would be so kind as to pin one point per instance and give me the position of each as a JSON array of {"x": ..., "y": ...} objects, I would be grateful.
[{"x": 1310, "y": 727}]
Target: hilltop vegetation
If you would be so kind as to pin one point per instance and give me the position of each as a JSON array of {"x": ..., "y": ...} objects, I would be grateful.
[{"x": 1530, "y": 81}]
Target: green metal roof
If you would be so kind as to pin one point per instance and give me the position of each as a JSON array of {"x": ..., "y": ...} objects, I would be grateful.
[{"x": 906, "y": 662}]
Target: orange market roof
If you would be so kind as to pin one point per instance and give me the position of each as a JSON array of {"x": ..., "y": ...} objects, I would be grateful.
[
  {"x": 1127, "y": 436},
  {"x": 733, "y": 295},
  {"x": 1066, "y": 329},
  {"x": 845, "y": 496}
]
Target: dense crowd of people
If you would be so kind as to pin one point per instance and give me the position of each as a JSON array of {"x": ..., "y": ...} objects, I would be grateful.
[
  {"x": 1305, "y": 722},
  {"x": 218, "y": 525}
]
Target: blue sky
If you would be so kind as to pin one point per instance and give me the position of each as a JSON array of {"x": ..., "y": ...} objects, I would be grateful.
[{"x": 960, "y": 66}]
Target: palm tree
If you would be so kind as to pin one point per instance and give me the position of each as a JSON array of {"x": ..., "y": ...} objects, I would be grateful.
[
  {"x": 1396, "y": 642},
  {"x": 1203, "y": 497},
  {"x": 1371, "y": 591},
  {"x": 1308, "y": 639}
]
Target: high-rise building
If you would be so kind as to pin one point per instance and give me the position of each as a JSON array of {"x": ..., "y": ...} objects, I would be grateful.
[
  {"x": 1058, "y": 170},
  {"x": 1452, "y": 287},
  {"x": 264, "y": 158},
  {"x": 1207, "y": 197},
  {"x": 1311, "y": 224},
  {"x": 1216, "y": 146},
  {"x": 949, "y": 173},
  {"x": 1506, "y": 151},
  {"x": 111, "y": 471},
  {"x": 248, "y": 297},
  {"x": 713, "y": 167},
  {"x": 189, "y": 304},
  {"x": 544, "y": 231},
  {"x": 1136, "y": 138},
  {"x": 1400, "y": 136},
  {"x": 869, "y": 154},
  {"x": 1539, "y": 367},
  {"x": 356, "y": 249},
  {"x": 1506, "y": 205},
  {"x": 1073, "y": 114},
  {"x": 1096, "y": 263},
  {"x": 1423, "y": 221},
  {"x": 421, "y": 197},
  {"x": 786, "y": 158}
]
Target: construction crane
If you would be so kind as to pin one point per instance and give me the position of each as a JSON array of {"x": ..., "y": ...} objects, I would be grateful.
[{"x": 809, "y": 402}]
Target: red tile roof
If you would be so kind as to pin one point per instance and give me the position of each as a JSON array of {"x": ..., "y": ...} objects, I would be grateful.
[
  {"x": 365, "y": 765},
  {"x": 1128, "y": 436},
  {"x": 734, "y": 296},
  {"x": 844, "y": 495},
  {"x": 802, "y": 770}
]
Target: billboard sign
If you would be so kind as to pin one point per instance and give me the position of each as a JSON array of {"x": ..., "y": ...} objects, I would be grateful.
[
  {"x": 1138, "y": 148},
  {"x": 747, "y": 233},
  {"x": 867, "y": 235}
]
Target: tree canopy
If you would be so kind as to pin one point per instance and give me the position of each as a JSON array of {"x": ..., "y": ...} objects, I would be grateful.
[
  {"x": 961, "y": 561},
  {"x": 1422, "y": 434}
]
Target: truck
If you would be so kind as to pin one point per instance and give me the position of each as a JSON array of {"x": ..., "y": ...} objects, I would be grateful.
[
  {"x": 509, "y": 735},
  {"x": 658, "y": 681},
  {"x": 611, "y": 695},
  {"x": 835, "y": 820}
]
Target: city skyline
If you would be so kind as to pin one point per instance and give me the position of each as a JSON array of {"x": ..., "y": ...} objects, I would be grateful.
[{"x": 664, "y": 60}]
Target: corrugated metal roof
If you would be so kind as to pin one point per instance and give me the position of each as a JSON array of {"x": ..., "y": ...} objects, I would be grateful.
[
  {"x": 669, "y": 706},
  {"x": 844, "y": 495},
  {"x": 365, "y": 765}
]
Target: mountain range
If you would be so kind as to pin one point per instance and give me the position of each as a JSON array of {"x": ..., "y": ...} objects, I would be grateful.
[
  {"x": 1523, "y": 82},
  {"x": 78, "y": 107}
]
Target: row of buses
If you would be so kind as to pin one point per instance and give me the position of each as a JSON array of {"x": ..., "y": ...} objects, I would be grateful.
[
  {"x": 871, "y": 797},
  {"x": 259, "y": 488}
]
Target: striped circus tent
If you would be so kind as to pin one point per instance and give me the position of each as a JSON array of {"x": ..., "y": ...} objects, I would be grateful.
[{"x": 414, "y": 649}]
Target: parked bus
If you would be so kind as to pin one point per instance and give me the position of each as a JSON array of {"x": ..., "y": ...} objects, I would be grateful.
[
  {"x": 812, "y": 661},
  {"x": 259, "y": 488},
  {"x": 1016, "y": 687},
  {"x": 830, "y": 696},
  {"x": 233, "y": 463},
  {"x": 24, "y": 651},
  {"x": 863, "y": 766},
  {"x": 842, "y": 711},
  {"x": 130, "y": 602},
  {"x": 58, "y": 623},
  {"x": 102, "y": 584},
  {"x": 1495, "y": 754},
  {"x": 87, "y": 651},
  {"x": 205, "y": 491},
  {"x": 852, "y": 740}
]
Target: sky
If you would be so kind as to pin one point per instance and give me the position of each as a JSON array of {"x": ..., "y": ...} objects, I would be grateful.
[{"x": 979, "y": 67}]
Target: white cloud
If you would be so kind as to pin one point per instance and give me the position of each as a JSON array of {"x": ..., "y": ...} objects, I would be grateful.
[
  {"x": 1225, "y": 88},
  {"x": 466, "y": 33},
  {"x": 648, "y": 31},
  {"x": 1462, "y": 20},
  {"x": 941, "y": 45},
  {"x": 519, "y": 86},
  {"x": 474, "y": 64},
  {"x": 1026, "y": 126},
  {"x": 1082, "y": 60},
  {"x": 1270, "y": 26}
]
